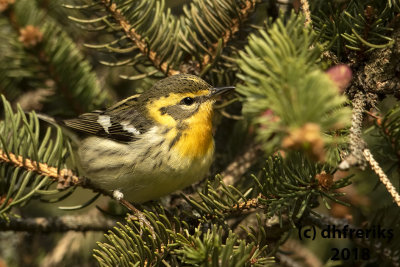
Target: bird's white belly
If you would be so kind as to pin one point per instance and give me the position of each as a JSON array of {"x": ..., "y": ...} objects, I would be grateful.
[{"x": 140, "y": 174}]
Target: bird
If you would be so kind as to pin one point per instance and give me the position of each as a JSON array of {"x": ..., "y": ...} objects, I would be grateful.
[{"x": 149, "y": 145}]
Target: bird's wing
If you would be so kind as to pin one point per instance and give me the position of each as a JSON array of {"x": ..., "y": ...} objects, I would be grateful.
[{"x": 121, "y": 122}]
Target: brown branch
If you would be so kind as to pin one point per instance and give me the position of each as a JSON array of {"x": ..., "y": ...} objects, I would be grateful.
[
  {"x": 39, "y": 168},
  {"x": 240, "y": 165},
  {"x": 382, "y": 176},
  {"x": 377, "y": 118},
  {"x": 306, "y": 10},
  {"x": 68, "y": 247},
  {"x": 249, "y": 204},
  {"x": 137, "y": 39},
  {"x": 66, "y": 178},
  {"x": 58, "y": 224},
  {"x": 247, "y": 9},
  {"x": 240, "y": 211},
  {"x": 357, "y": 144}
]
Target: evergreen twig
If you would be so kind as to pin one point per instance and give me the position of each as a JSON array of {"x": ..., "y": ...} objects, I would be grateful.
[
  {"x": 249, "y": 204},
  {"x": 66, "y": 223},
  {"x": 66, "y": 178},
  {"x": 137, "y": 39},
  {"x": 240, "y": 165},
  {"x": 382, "y": 176},
  {"x": 307, "y": 14},
  {"x": 72, "y": 77},
  {"x": 357, "y": 144},
  {"x": 248, "y": 8},
  {"x": 39, "y": 168}
]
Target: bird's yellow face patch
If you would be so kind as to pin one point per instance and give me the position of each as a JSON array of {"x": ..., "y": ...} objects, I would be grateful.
[
  {"x": 194, "y": 139},
  {"x": 154, "y": 107}
]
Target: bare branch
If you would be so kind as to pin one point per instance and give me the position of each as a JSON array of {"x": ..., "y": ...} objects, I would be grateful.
[
  {"x": 58, "y": 224},
  {"x": 382, "y": 176},
  {"x": 39, "y": 168},
  {"x": 306, "y": 10},
  {"x": 357, "y": 144},
  {"x": 240, "y": 165}
]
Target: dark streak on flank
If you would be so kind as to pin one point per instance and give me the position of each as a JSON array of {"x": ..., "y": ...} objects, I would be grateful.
[
  {"x": 161, "y": 142},
  {"x": 103, "y": 168},
  {"x": 110, "y": 153},
  {"x": 165, "y": 131},
  {"x": 159, "y": 164},
  {"x": 156, "y": 155},
  {"x": 159, "y": 149},
  {"x": 176, "y": 139},
  {"x": 146, "y": 153}
]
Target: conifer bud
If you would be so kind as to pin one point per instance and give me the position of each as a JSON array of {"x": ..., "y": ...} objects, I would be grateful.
[
  {"x": 308, "y": 138},
  {"x": 325, "y": 180},
  {"x": 5, "y": 3},
  {"x": 341, "y": 75},
  {"x": 30, "y": 36}
]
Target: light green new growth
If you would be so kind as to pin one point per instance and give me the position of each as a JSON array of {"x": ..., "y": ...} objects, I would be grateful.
[{"x": 284, "y": 88}]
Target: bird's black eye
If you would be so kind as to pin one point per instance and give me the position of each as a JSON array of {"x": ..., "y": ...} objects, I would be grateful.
[{"x": 187, "y": 101}]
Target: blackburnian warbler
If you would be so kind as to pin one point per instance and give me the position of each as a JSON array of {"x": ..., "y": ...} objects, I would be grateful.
[{"x": 152, "y": 144}]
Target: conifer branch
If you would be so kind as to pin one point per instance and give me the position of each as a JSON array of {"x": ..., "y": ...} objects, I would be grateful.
[
  {"x": 249, "y": 204},
  {"x": 357, "y": 144},
  {"x": 286, "y": 260},
  {"x": 248, "y": 8},
  {"x": 246, "y": 208},
  {"x": 31, "y": 52},
  {"x": 137, "y": 39},
  {"x": 58, "y": 224},
  {"x": 382, "y": 176},
  {"x": 38, "y": 167},
  {"x": 379, "y": 73},
  {"x": 41, "y": 56},
  {"x": 306, "y": 11},
  {"x": 240, "y": 165},
  {"x": 64, "y": 177},
  {"x": 389, "y": 129}
]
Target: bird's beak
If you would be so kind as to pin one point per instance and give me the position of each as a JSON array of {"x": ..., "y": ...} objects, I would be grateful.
[{"x": 216, "y": 91}]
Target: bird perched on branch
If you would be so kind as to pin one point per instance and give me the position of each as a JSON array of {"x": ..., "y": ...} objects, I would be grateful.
[{"x": 152, "y": 144}]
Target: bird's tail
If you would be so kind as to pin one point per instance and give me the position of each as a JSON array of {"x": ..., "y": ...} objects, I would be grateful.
[{"x": 59, "y": 123}]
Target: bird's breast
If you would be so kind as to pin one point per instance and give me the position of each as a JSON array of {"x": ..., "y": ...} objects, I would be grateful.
[{"x": 195, "y": 140}]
